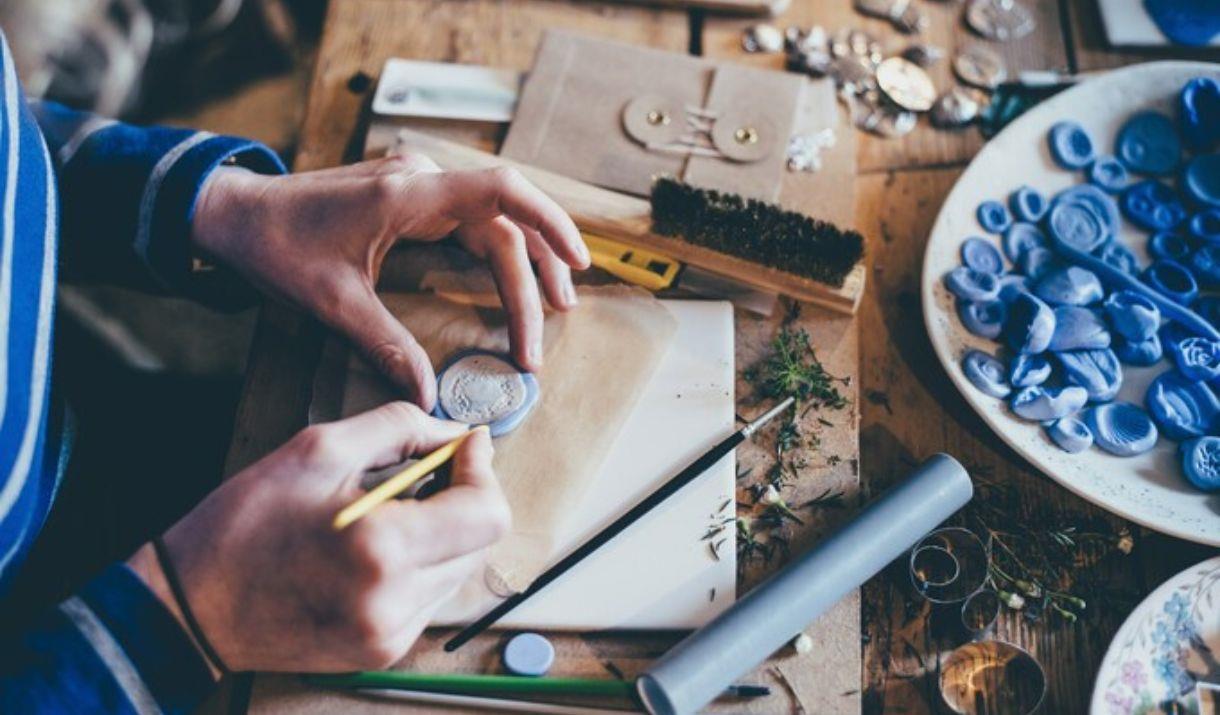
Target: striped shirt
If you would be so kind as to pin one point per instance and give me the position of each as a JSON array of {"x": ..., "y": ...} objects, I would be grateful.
[{"x": 93, "y": 198}]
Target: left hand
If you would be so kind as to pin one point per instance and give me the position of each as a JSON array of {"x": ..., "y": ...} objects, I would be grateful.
[{"x": 317, "y": 241}]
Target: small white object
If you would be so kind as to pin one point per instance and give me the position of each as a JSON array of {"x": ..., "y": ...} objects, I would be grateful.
[
  {"x": 802, "y": 644},
  {"x": 528, "y": 654},
  {"x": 762, "y": 38},
  {"x": 481, "y": 389},
  {"x": 771, "y": 496},
  {"x": 444, "y": 90}
]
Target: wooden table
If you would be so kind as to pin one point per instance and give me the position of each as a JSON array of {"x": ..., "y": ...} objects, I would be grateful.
[{"x": 906, "y": 407}]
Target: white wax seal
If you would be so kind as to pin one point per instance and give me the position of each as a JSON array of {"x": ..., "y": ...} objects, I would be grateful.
[{"x": 483, "y": 388}]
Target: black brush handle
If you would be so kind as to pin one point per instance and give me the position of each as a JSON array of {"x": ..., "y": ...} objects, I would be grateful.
[{"x": 666, "y": 490}]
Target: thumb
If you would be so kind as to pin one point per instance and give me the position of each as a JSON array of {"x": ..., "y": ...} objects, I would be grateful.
[{"x": 387, "y": 345}]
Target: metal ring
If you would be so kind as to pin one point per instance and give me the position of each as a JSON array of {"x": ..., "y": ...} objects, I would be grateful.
[
  {"x": 979, "y": 613},
  {"x": 933, "y": 566},
  {"x": 992, "y": 676},
  {"x": 971, "y": 556}
]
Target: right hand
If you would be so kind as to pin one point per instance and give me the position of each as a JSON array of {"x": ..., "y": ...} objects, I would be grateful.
[{"x": 273, "y": 585}]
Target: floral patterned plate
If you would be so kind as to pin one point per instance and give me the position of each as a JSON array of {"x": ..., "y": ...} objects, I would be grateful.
[{"x": 1170, "y": 642}]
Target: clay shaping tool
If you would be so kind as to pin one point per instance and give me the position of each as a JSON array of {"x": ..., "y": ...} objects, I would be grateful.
[{"x": 647, "y": 504}]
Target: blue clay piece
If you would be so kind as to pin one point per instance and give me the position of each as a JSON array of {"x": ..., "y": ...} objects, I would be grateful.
[
  {"x": 1012, "y": 284},
  {"x": 1037, "y": 262},
  {"x": 1205, "y": 264},
  {"x": 982, "y": 256},
  {"x": 1097, "y": 371},
  {"x": 984, "y": 318},
  {"x": 1094, "y": 199},
  {"x": 1039, "y": 404},
  {"x": 1070, "y": 285},
  {"x": 986, "y": 373},
  {"x": 1027, "y": 204},
  {"x": 1139, "y": 353},
  {"x": 1118, "y": 255},
  {"x": 1030, "y": 324},
  {"x": 1078, "y": 328},
  {"x": 1152, "y": 206},
  {"x": 1132, "y": 315},
  {"x": 1075, "y": 225},
  {"x": 1208, "y": 308},
  {"x": 1201, "y": 463},
  {"x": 1197, "y": 358},
  {"x": 528, "y": 654},
  {"x": 1201, "y": 179},
  {"x": 1192, "y": 23},
  {"x": 1199, "y": 113},
  {"x": 1020, "y": 237},
  {"x": 969, "y": 284},
  {"x": 1121, "y": 428},
  {"x": 1205, "y": 226},
  {"x": 1182, "y": 408},
  {"x": 1169, "y": 245},
  {"x": 1070, "y": 145},
  {"x": 1148, "y": 143},
  {"x": 1071, "y": 434},
  {"x": 994, "y": 217},
  {"x": 1109, "y": 173},
  {"x": 1029, "y": 370},
  {"x": 1172, "y": 280}
]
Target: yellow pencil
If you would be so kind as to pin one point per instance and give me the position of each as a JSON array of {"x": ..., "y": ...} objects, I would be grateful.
[{"x": 399, "y": 483}]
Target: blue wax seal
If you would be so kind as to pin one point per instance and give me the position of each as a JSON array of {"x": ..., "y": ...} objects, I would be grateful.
[
  {"x": 1182, "y": 408},
  {"x": 1201, "y": 179},
  {"x": 993, "y": 217},
  {"x": 1070, "y": 145},
  {"x": 1012, "y": 284},
  {"x": 1027, "y": 205},
  {"x": 986, "y": 373},
  {"x": 1071, "y": 434},
  {"x": 528, "y": 654},
  {"x": 982, "y": 255},
  {"x": 1040, "y": 404},
  {"x": 1078, "y": 328},
  {"x": 1097, "y": 371},
  {"x": 1152, "y": 206},
  {"x": 1148, "y": 143},
  {"x": 1109, "y": 173},
  {"x": 1199, "y": 111},
  {"x": 969, "y": 284},
  {"x": 1192, "y": 23},
  {"x": 1020, "y": 237},
  {"x": 1172, "y": 280},
  {"x": 1030, "y": 324},
  {"x": 479, "y": 387},
  {"x": 1076, "y": 226},
  {"x": 1132, "y": 315},
  {"x": 1117, "y": 254},
  {"x": 1140, "y": 353},
  {"x": 1037, "y": 262},
  {"x": 1198, "y": 358},
  {"x": 1205, "y": 265},
  {"x": 1094, "y": 199},
  {"x": 1028, "y": 370},
  {"x": 1169, "y": 245},
  {"x": 984, "y": 318},
  {"x": 1121, "y": 428},
  {"x": 1208, "y": 308},
  {"x": 1201, "y": 462},
  {"x": 1070, "y": 285},
  {"x": 1205, "y": 226}
]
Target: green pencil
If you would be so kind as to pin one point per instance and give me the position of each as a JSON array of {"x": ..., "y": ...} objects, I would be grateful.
[{"x": 470, "y": 684}]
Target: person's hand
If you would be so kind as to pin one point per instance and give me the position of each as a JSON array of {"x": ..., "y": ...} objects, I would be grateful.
[
  {"x": 275, "y": 587},
  {"x": 317, "y": 240}
]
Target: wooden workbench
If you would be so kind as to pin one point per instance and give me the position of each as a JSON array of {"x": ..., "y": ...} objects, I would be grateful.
[{"x": 902, "y": 402}]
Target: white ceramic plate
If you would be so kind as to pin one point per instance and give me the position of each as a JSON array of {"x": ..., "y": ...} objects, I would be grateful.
[
  {"x": 1148, "y": 489},
  {"x": 1161, "y": 651}
]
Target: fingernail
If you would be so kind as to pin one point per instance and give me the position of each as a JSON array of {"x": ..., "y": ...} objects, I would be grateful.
[
  {"x": 569, "y": 294},
  {"x": 536, "y": 354}
]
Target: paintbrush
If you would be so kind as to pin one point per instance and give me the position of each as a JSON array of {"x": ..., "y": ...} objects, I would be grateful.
[{"x": 650, "y": 502}]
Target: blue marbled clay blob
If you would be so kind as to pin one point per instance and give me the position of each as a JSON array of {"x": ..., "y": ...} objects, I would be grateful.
[
  {"x": 1096, "y": 201},
  {"x": 1117, "y": 254},
  {"x": 1028, "y": 370},
  {"x": 986, "y": 373},
  {"x": 1182, "y": 408},
  {"x": 1040, "y": 404},
  {"x": 1121, "y": 428},
  {"x": 982, "y": 255},
  {"x": 984, "y": 318},
  {"x": 1020, "y": 237},
  {"x": 1108, "y": 173},
  {"x": 993, "y": 216},
  {"x": 1078, "y": 328},
  {"x": 1097, "y": 371},
  {"x": 1069, "y": 285},
  {"x": 1198, "y": 358},
  {"x": 1132, "y": 315},
  {"x": 1027, "y": 204},
  {"x": 1071, "y": 434},
  {"x": 1013, "y": 284},
  {"x": 1037, "y": 262},
  {"x": 1201, "y": 179},
  {"x": 1169, "y": 245},
  {"x": 1030, "y": 324},
  {"x": 1148, "y": 143},
  {"x": 1140, "y": 353},
  {"x": 1172, "y": 280},
  {"x": 1205, "y": 226},
  {"x": 1199, "y": 113},
  {"x": 1201, "y": 462},
  {"x": 1070, "y": 145},
  {"x": 969, "y": 284},
  {"x": 1152, "y": 206},
  {"x": 1205, "y": 265}
]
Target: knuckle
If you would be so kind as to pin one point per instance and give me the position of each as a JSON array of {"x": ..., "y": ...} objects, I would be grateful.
[
  {"x": 317, "y": 444},
  {"x": 404, "y": 413},
  {"x": 387, "y": 357},
  {"x": 389, "y": 186},
  {"x": 370, "y": 553},
  {"x": 506, "y": 176}
]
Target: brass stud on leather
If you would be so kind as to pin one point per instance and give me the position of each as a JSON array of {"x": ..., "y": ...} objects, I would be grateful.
[
  {"x": 742, "y": 137},
  {"x": 653, "y": 120}
]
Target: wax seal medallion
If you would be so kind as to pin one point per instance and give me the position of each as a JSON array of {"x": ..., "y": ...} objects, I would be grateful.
[{"x": 478, "y": 387}]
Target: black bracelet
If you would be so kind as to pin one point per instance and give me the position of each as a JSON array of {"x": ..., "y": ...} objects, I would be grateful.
[{"x": 175, "y": 587}]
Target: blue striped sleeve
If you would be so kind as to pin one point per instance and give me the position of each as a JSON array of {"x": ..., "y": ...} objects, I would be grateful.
[
  {"x": 112, "y": 648},
  {"x": 128, "y": 197}
]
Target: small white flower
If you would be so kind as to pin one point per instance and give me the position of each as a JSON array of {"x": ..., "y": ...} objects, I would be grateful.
[
  {"x": 771, "y": 497},
  {"x": 1013, "y": 600}
]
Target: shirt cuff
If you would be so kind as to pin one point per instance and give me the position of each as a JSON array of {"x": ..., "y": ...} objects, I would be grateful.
[
  {"x": 161, "y": 652},
  {"x": 165, "y": 242}
]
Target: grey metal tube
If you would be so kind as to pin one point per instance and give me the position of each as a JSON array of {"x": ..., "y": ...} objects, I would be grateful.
[{"x": 703, "y": 664}]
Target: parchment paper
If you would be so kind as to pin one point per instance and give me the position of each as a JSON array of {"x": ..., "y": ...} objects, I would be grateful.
[{"x": 597, "y": 360}]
